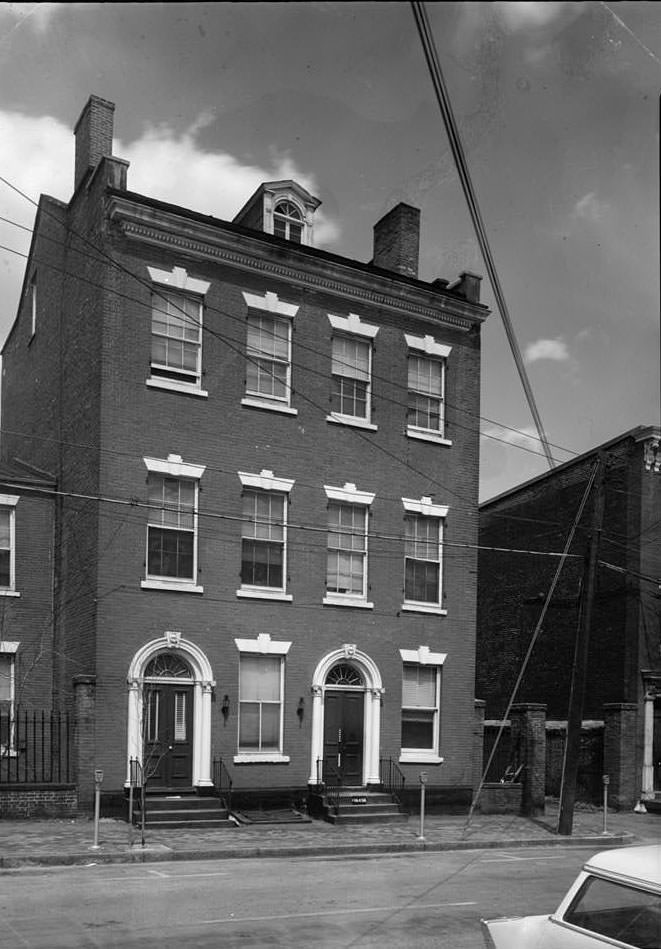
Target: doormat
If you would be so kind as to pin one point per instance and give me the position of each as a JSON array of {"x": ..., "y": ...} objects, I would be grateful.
[{"x": 284, "y": 816}]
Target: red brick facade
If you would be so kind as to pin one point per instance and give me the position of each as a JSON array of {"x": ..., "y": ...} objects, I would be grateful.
[{"x": 97, "y": 420}]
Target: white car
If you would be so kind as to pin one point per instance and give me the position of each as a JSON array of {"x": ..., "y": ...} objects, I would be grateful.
[{"x": 614, "y": 901}]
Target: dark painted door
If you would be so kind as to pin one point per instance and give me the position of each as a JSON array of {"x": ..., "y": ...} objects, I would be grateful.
[
  {"x": 168, "y": 736},
  {"x": 343, "y": 737}
]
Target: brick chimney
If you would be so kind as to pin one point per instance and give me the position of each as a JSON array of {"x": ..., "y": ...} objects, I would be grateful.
[
  {"x": 93, "y": 132},
  {"x": 397, "y": 240}
]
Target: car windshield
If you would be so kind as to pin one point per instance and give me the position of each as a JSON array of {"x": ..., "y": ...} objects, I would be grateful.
[{"x": 620, "y": 912}]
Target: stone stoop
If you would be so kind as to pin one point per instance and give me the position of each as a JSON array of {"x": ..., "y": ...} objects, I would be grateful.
[
  {"x": 185, "y": 809},
  {"x": 365, "y": 806}
]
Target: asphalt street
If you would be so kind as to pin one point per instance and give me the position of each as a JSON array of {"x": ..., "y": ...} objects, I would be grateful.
[{"x": 417, "y": 900}]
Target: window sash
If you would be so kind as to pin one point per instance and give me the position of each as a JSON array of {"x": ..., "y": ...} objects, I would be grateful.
[
  {"x": 268, "y": 351},
  {"x": 422, "y": 559},
  {"x": 7, "y": 548},
  {"x": 346, "y": 569},
  {"x": 426, "y": 383},
  {"x": 172, "y": 528},
  {"x": 420, "y": 707},
  {"x": 260, "y": 703},
  {"x": 176, "y": 337},
  {"x": 263, "y": 539},
  {"x": 351, "y": 358}
]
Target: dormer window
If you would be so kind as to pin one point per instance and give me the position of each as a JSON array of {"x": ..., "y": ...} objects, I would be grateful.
[{"x": 288, "y": 221}]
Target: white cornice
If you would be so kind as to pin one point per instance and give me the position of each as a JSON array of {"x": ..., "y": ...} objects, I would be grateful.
[{"x": 162, "y": 228}]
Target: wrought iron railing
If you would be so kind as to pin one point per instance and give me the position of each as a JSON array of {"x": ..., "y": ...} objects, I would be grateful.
[
  {"x": 35, "y": 747},
  {"x": 332, "y": 785},
  {"x": 222, "y": 782},
  {"x": 392, "y": 778}
]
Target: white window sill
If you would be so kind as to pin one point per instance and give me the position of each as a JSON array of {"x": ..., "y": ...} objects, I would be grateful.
[
  {"x": 8, "y": 752},
  {"x": 264, "y": 594},
  {"x": 352, "y": 421},
  {"x": 337, "y": 599},
  {"x": 9, "y": 593},
  {"x": 419, "y": 757},
  {"x": 173, "y": 386},
  {"x": 257, "y": 758},
  {"x": 255, "y": 403},
  {"x": 425, "y": 436},
  {"x": 424, "y": 608},
  {"x": 177, "y": 586}
]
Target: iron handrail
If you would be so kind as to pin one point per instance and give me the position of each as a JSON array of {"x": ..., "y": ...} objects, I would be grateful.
[
  {"x": 332, "y": 788},
  {"x": 222, "y": 782},
  {"x": 392, "y": 778}
]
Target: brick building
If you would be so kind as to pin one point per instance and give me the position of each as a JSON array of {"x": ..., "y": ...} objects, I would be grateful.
[
  {"x": 623, "y": 685},
  {"x": 263, "y": 465}
]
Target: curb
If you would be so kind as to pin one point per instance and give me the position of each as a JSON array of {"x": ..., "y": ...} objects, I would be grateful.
[{"x": 163, "y": 854}]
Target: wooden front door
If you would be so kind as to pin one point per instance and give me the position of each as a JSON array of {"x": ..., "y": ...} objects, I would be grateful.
[
  {"x": 343, "y": 737},
  {"x": 168, "y": 759}
]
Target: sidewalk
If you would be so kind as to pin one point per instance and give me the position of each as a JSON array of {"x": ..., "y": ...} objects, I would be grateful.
[{"x": 69, "y": 842}]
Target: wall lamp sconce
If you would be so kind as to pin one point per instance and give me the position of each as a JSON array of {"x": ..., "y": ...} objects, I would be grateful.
[
  {"x": 300, "y": 709},
  {"x": 225, "y": 707}
]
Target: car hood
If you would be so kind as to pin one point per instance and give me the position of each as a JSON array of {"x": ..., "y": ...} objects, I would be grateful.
[{"x": 520, "y": 932}]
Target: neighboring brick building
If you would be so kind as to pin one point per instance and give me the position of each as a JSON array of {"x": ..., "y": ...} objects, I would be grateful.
[
  {"x": 260, "y": 450},
  {"x": 624, "y": 666}
]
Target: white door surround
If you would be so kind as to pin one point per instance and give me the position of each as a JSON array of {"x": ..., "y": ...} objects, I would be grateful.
[
  {"x": 203, "y": 685},
  {"x": 372, "y": 712}
]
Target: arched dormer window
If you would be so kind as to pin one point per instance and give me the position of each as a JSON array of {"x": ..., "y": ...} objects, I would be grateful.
[{"x": 288, "y": 221}]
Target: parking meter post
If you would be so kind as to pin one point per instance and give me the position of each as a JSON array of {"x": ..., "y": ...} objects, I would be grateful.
[
  {"x": 423, "y": 782},
  {"x": 98, "y": 780},
  {"x": 606, "y": 781}
]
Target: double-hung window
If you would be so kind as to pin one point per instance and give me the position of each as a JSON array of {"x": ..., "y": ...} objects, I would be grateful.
[
  {"x": 7, "y": 697},
  {"x": 288, "y": 221},
  {"x": 176, "y": 330},
  {"x": 264, "y": 535},
  {"x": 346, "y": 560},
  {"x": 261, "y": 699},
  {"x": 269, "y": 352},
  {"x": 421, "y": 703},
  {"x": 8, "y": 504},
  {"x": 172, "y": 524},
  {"x": 351, "y": 371},
  {"x": 423, "y": 545},
  {"x": 427, "y": 365}
]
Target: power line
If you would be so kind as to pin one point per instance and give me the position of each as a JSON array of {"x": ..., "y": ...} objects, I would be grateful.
[{"x": 443, "y": 99}]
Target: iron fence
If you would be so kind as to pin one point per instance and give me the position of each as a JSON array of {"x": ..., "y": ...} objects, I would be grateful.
[{"x": 36, "y": 747}]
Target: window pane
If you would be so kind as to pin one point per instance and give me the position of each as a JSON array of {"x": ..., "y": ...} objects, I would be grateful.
[
  {"x": 5, "y": 568},
  {"x": 351, "y": 358},
  {"x": 180, "y": 716},
  {"x": 259, "y": 678},
  {"x": 270, "y": 727},
  {"x": 261, "y": 564},
  {"x": 5, "y": 677},
  {"x": 421, "y": 581},
  {"x": 170, "y": 553},
  {"x": 417, "y": 729},
  {"x": 618, "y": 912},
  {"x": 419, "y": 686},
  {"x": 249, "y": 725}
]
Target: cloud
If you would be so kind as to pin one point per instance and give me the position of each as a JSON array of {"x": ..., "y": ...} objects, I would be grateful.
[
  {"x": 590, "y": 208},
  {"x": 37, "y": 156},
  {"x": 524, "y": 16},
  {"x": 36, "y": 15},
  {"x": 553, "y": 349}
]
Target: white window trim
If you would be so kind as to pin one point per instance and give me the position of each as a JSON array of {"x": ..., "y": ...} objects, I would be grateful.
[
  {"x": 352, "y": 325},
  {"x": 422, "y": 656},
  {"x": 266, "y": 481},
  {"x": 265, "y": 646},
  {"x": 349, "y": 494},
  {"x": 175, "y": 467},
  {"x": 179, "y": 280},
  {"x": 428, "y": 346},
  {"x": 426, "y": 508},
  {"x": 271, "y": 303},
  {"x": 10, "y": 501},
  {"x": 351, "y": 420}
]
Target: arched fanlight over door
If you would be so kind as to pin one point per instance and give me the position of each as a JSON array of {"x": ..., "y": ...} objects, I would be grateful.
[
  {"x": 167, "y": 666},
  {"x": 345, "y": 675}
]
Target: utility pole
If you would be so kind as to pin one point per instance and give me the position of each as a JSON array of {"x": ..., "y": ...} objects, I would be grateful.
[{"x": 579, "y": 672}]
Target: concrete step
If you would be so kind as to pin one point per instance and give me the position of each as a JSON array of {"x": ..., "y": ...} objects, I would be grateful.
[
  {"x": 371, "y": 817},
  {"x": 373, "y": 807},
  {"x": 187, "y": 802},
  {"x": 177, "y": 823}
]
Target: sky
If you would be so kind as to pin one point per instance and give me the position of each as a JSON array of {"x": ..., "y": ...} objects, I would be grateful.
[{"x": 557, "y": 106}]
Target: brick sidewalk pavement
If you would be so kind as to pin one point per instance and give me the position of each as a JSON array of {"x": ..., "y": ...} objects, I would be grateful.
[{"x": 62, "y": 842}]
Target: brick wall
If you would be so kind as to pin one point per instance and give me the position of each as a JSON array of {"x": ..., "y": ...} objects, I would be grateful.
[{"x": 31, "y": 801}]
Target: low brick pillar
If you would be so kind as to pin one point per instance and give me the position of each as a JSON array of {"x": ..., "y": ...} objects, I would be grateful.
[
  {"x": 620, "y": 754},
  {"x": 478, "y": 743},
  {"x": 529, "y": 745},
  {"x": 84, "y": 743}
]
